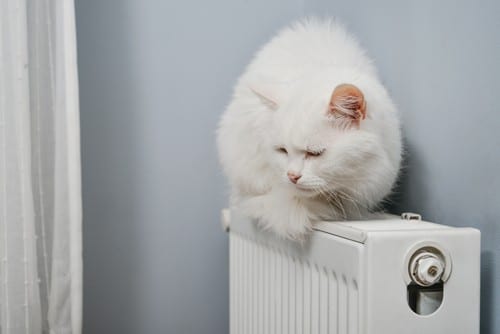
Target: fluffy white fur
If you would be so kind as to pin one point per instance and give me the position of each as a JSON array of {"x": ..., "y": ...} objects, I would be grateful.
[{"x": 281, "y": 103}]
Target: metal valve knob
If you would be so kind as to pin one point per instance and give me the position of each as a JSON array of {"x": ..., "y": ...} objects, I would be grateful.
[{"x": 426, "y": 268}]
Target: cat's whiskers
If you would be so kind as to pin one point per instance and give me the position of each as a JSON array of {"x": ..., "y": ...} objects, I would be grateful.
[
  {"x": 339, "y": 194},
  {"x": 329, "y": 196},
  {"x": 331, "y": 205},
  {"x": 349, "y": 198},
  {"x": 346, "y": 178}
]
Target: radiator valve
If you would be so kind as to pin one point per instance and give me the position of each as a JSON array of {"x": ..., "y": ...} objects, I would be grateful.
[{"x": 426, "y": 268}]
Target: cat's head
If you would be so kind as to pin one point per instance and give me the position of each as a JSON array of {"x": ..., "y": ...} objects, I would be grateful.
[{"x": 325, "y": 142}]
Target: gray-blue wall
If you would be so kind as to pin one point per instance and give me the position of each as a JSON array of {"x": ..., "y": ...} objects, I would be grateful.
[{"x": 154, "y": 78}]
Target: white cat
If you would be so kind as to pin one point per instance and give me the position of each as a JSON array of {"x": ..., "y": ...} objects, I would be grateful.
[{"x": 310, "y": 134}]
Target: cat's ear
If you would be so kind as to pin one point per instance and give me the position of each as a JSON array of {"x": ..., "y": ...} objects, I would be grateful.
[
  {"x": 347, "y": 103},
  {"x": 266, "y": 94},
  {"x": 271, "y": 92}
]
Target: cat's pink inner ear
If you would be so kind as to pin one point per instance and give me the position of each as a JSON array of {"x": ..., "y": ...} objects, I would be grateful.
[{"x": 347, "y": 102}]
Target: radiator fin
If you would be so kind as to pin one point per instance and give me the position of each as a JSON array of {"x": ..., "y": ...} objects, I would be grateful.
[
  {"x": 333, "y": 304},
  {"x": 273, "y": 292}
]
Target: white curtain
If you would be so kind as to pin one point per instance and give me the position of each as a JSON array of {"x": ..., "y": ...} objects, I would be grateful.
[{"x": 40, "y": 195}]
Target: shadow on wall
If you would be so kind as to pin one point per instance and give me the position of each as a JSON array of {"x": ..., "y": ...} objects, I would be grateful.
[{"x": 487, "y": 286}]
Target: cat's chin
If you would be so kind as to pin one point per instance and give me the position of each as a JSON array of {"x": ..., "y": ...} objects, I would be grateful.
[{"x": 305, "y": 192}]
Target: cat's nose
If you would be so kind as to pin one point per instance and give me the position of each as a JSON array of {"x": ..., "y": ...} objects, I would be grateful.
[{"x": 293, "y": 177}]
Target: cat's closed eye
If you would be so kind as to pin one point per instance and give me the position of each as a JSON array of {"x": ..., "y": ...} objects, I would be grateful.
[
  {"x": 312, "y": 154},
  {"x": 282, "y": 150}
]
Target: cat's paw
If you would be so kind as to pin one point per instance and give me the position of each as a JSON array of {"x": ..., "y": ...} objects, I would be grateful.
[
  {"x": 288, "y": 219},
  {"x": 290, "y": 222}
]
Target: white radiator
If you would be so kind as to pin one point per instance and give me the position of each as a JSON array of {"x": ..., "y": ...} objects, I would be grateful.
[{"x": 394, "y": 276}]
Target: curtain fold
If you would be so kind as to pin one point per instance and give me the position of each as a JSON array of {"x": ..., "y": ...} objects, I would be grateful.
[{"x": 40, "y": 188}]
